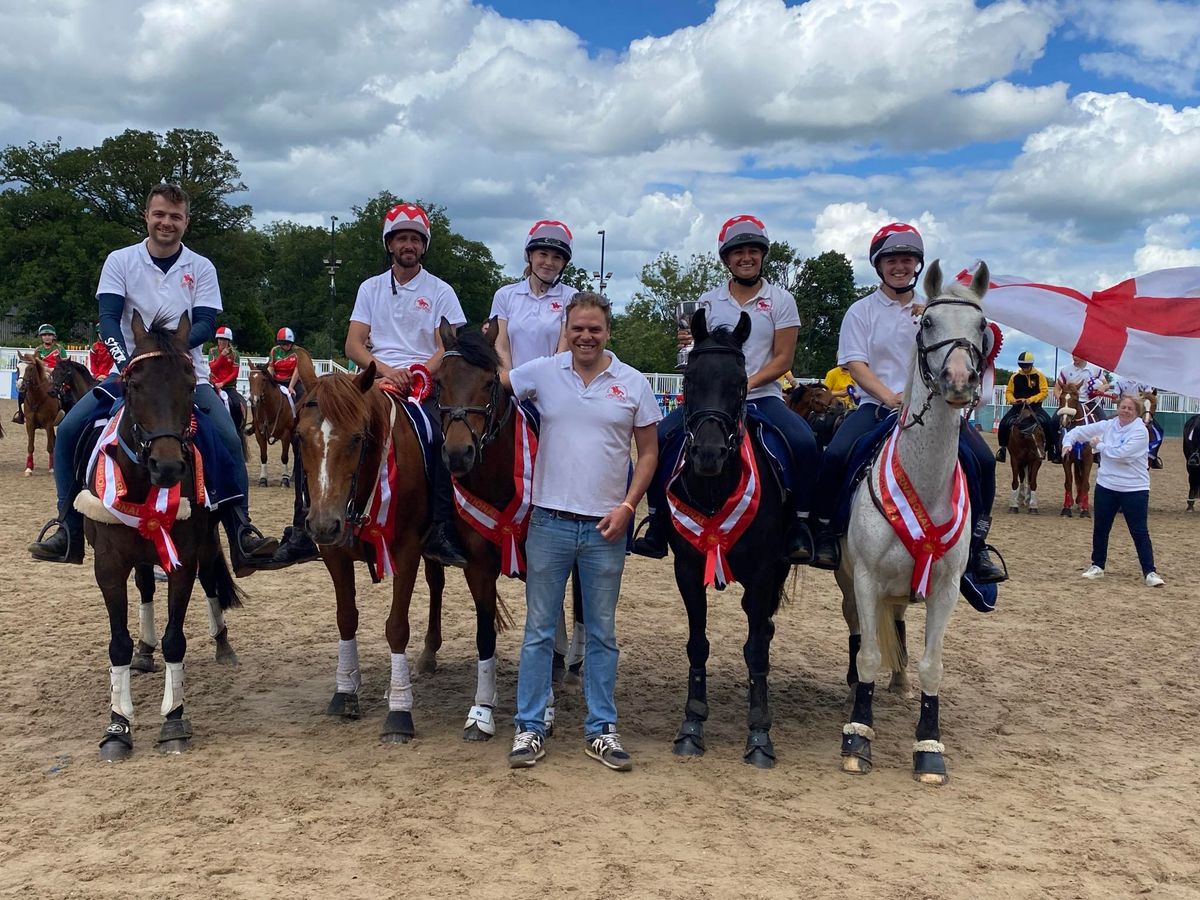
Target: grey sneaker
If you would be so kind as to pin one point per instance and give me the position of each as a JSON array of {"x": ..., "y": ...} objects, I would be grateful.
[
  {"x": 528, "y": 747},
  {"x": 606, "y": 747}
]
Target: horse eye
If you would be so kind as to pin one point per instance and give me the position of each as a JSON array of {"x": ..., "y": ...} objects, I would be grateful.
[
  {"x": 926, "y": 322},
  {"x": 356, "y": 440}
]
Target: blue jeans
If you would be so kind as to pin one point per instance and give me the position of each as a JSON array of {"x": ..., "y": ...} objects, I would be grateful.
[
  {"x": 1135, "y": 505},
  {"x": 555, "y": 545}
]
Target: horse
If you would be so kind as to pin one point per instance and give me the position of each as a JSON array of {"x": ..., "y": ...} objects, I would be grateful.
[
  {"x": 919, "y": 463},
  {"x": 1191, "y": 455},
  {"x": 1026, "y": 449},
  {"x": 1149, "y": 402},
  {"x": 816, "y": 404},
  {"x": 1077, "y": 461},
  {"x": 236, "y": 405},
  {"x": 348, "y": 430},
  {"x": 155, "y": 455},
  {"x": 719, "y": 460},
  {"x": 272, "y": 420},
  {"x": 42, "y": 409},
  {"x": 70, "y": 381}
]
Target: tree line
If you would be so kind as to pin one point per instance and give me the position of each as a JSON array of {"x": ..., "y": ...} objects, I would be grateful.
[{"x": 62, "y": 210}]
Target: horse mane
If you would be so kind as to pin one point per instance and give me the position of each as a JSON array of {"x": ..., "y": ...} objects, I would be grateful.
[
  {"x": 477, "y": 350},
  {"x": 162, "y": 336},
  {"x": 340, "y": 401}
]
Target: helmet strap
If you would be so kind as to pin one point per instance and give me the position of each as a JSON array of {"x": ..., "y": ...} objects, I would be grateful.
[{"x": 747, "y": 282}]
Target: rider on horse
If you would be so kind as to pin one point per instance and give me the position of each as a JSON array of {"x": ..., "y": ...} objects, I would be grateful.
[
  {"x": 876, "y": 345},
  {"x": 1091, "y": 388},
  {"x": 1028, "y": 387},
  {"x": 50, "y": 352},
  {"x": 224, "y": 364},
  {"x": 162, "y": 280},
  {"x": 281, "y": 363},
  {"x": 100, "y": 361},
  {"x": 841, "y": 384},
  {"x": 743, "y": 245},
  {"x": 531, "y": 314}
]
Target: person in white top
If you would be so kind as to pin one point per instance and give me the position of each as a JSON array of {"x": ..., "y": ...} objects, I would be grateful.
[
  {"x": 530, "y": 313},
  {"x": 1090, "y": 383},
  {"x": 1123, "y": 484},
  {"x": 876, "y": 344},
  {"x": 743, "y": 245},
  {"x": 592, "y": 406}
]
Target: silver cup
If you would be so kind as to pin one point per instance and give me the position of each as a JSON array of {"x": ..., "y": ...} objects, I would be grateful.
[{"x": 684, "y": 310}]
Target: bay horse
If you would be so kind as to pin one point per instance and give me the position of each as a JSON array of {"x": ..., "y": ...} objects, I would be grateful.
[
  {"x": 1026, "y": 449},
  {"x": 718, "y": 457},
  {"x": 1077, "y": 460},
  {"x": 42, "y": 409},
  {"x": 70, "y": 381},
  {"x": 816, "y": 404},
  {"x": 919, "y": 462},
  {"x": 1191, "y": 456},
  {"x": 272, "y": 421},
  {"x": 348, "y": 429},
  {"x": 155, "y": 453},
  {"x": 1149, "y": 403}
]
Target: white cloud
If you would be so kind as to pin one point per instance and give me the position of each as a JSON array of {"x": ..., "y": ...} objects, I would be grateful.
[
  {"x": 1160, "y": 41},
  {"x": 1169, "y": 243}
]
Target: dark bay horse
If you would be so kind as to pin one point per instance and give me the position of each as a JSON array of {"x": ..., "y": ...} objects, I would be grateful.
[
  {"x": 1191, "y": 455},
  {"x": 1076, "y": 461},
  {"x": 42, "y": 409},
  {"x": 273, "y": 421},
  {"x": 155, "y": 455},
  {"x": 70, "y": 381},
  {"x": 1026, "y": 449},
  {"x": 347, "y": 429},
  {"x": 714, "y": 464},
  {"x": 816, "y": 404}
]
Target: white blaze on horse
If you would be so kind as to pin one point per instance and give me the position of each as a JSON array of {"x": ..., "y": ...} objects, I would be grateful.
[{"x": 920, "y": 462}]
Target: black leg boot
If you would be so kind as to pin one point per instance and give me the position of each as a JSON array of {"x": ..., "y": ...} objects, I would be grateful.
[
  {"x": 248, "y": 547},
  {"x": 65, "y": 545},
  {"x": 441, "y": 543},
  {"x": 19, "y": 416},
  {"x": 654, "y": 542},
  {"x": 827, "y": 552}
]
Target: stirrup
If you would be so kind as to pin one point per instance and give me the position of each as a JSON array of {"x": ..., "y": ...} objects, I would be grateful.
[{"x": 988, "y": 548}]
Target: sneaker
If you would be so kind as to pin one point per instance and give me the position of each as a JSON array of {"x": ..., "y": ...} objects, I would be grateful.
[
  {"x": 606, "y": 747},
  {"x": 1093, "y": 572},
  {"x": 528, "y": 747},
  {"x": 1153, "y": 579}
]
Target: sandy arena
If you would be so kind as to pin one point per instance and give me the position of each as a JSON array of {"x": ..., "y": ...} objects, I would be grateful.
[{"x": 1069, "y": 717}]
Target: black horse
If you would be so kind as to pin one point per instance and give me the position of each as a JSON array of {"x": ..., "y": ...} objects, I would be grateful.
[
  {"x": 1191, "y": 452},
  {"x": 714, "y": 391}
]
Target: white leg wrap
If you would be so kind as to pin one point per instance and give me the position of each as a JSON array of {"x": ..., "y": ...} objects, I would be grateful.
[
  {"x": 548, "y": 718},
  {"x": 1016, "y": 498},
  {"x": 146, "y": 617},
  {"x": 858, "y": 728},
  {"x": 122, "y": 699},
  {"x": 173, "y": 693},
  {"x": 286, "y": 470},
  {"x": 482, "y": 718},
  {"x": 578, "y": 644},
  {"x": 349, "y": 681},
  {"x": 928, "y": 747},
  {"x": 216, "y": 617},
  {"x": 262, "y": 470},
  {"x": 1033, "y": 499},
  {"x": 400, "y": 694},
  {"x": 485, "y": 685}
]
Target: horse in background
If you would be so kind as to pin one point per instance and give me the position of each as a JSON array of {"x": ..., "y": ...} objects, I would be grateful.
[
  {"x": 70, "y": 381},
  {"x": 816, "y": 404},
  {"x": 1026, "y": 450},
  {"x": 272, "y": 421},
  {"x": 1149, "y": 403},
  {"x": 1191, "y": 455},
  {"x": 1076, "y": 460},
  {"x": 42, "y": 409}
]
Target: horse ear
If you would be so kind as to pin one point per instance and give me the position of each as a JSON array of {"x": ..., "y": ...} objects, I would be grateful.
[
  {"x": 933, "y": 280},
  {"x": 699, "y": 326},
  {"x": 139, "y": 328},
  {"x": 183, "y": 330},
  {"x": 981, "y": 281},
  {"x": 493, "y": 330},
  {"x": 742, "y": 331},
  {"x": 306, "y": 369},
  {"x": 446, "y": 333},
  {"x": 365, "y": 379}
]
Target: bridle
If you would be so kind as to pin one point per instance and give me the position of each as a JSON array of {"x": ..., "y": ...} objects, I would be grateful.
[
  {"x": 142, "y": 439},
  {"x": 494, "y": 421},
  {"x": 926, "y": 371},
  {"x": 733, "y": 426},
  {"x": 355, "y": 517}
]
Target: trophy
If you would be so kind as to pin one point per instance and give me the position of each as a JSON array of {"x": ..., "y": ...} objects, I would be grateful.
[{"x": 684, "y": 310}]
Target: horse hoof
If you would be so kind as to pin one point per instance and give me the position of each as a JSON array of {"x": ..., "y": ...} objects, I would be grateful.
[
  {"x": 225, "y": 655},
  {"x": 28, "y": 472},
  {"x": 856, "y": 765},
  {"x": 262, "y": 482},
  {"x": 760, "y": 752},
  {"x": 1033, "y": 510},
  {"x": 426, "y": 663},
  {"x": 856, "y": 754},
  {"x": 1014, "y": 509},
  {"x": 759, "y": 759},
  {"x": 1066, "y": 512},
  {"x": 398, "y": 727},
  {"x": 689, "y": 740},
  {"x": 174, "y": 748},
  {"x": 175, "y": 736},
  {"x": 343, "y": 705},
  {"x": 117, "y": 744},
  {"x": 1084, "y": 514},
  {"x": 115, "y": 751},
  {"x": 929, "y": 767},
  {"x": 285, "y": 482},
  {"x": 142, "y": 662},
  {"x": 475, "y": 734}
]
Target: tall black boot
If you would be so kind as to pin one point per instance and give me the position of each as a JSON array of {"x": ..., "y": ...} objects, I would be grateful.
[
  {"x": 984, "y": 569},
  {"x": 19, "y": 416},
  {"x": 248, "y": 547},
  {"x": 800, "y": 545},
  {"x": 827, "y": 550},
  {"x": 653, "y": 543},
  {"x": 441, "y": 543},
  {"x": 65, "y": 545}
]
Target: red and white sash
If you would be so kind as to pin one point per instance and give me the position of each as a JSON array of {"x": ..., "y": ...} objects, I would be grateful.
[
  {"x": 506, "y": 529},
  {"x": 903, "y": 509},
  {"x": 379, "y": 529},
  {"x": 715, "y": 535},
  {"x": 155, "y": 516}
]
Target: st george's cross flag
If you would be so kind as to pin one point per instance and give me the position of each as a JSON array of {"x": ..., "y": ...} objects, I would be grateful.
[{"x": 1147, "y": 327}]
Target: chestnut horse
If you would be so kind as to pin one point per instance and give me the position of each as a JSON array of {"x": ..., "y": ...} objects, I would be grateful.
[
  {"x": 347, "y": 429},
  {"x": 272, "y": 421},
  {"x": 816, "y": 404},
  {"x": 1077, "y": 460},
  {"x": 42, "y": 409},
  {"x": 1026, "y": 449}
]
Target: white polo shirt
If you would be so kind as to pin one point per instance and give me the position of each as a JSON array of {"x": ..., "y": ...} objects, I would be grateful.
[
  {"x": 403, "y": 324},
  {"x": 1081, "y": 375},
  {"x": 190, "y": 282},
  {"x": 583, "y": 449},
  {"x": 772, "y": 309},
  {"x": 534, "y": 323},
  {"x": 882, "y": 333}
]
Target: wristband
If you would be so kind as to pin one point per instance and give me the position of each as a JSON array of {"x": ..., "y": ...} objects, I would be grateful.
[{"x": 629, "y": 506}]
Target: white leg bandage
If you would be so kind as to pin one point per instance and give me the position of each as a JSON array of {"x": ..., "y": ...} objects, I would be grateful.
[
  {"x": 146, "y": 617},
  {"x": 485, "y": 686},
  {"x": 348, "y": 678},
  {"x": 400, "y": 694},
  {"x": 286, "y": 471},
  {"x": 173, "y": 693},
  {"x": 122, "y": 699},
  {"x": 262, "y": 470},
  {"x": 578, "y": 644},
  {"x": 216, "y": 617}
]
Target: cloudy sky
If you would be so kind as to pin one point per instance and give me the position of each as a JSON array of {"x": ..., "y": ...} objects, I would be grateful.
[{"x": 1057, "y": 139}]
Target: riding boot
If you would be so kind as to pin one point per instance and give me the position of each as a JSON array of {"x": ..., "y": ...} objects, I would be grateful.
[
  {"x": 984, "y": 569},
  {"x": 800, "y": 543},
  {"x": 827, "y": 551},
  {"x": 1002, "y": 454},
  {"x": 653, "y": 543},
  {"x": 441, "y": 543},
  {"x": 64, "y": 546},
  {"x": 296, "y": 547},
  {"x": 19, "y": 416},
  {"x": 248, "y": 547}
]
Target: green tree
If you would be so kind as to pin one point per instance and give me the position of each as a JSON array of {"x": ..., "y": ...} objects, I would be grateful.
[{"x": 824, "y": 290}]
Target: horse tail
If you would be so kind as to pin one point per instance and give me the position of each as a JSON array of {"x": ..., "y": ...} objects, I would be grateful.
[
  {"x": 228, "y": 594},
  {"x": 894, "y": 657},
  {"x": 504, "y": 619}
]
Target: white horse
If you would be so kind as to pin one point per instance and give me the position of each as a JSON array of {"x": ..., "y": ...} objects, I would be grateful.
[{"x": 944, "y": 379}]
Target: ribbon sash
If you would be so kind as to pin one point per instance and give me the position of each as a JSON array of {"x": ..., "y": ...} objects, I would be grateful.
[
  {"x": 379, "y": 527},
  {"x": 715, "y": 535}
]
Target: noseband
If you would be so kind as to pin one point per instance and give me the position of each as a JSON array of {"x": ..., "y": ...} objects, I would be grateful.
[
  {"x": 493, "y": 421},
  {"x": 926, "y": 371},
  {"x": 733, "y": 426},
  {"x": 142, "y": 439}
]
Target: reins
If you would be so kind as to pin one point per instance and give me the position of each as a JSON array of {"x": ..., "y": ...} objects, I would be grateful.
[{"x": 142, "y": 438}]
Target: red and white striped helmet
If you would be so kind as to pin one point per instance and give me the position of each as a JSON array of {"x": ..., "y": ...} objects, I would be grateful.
[
  {"x": 741, "y": 231},
  {"x": 548, "y": 234},
  {"x": 285, "y": 336},
  {"x": 406, "y": 217},
  {"x": 896, "y": 239},
  {"x": 225, "y": 332}
]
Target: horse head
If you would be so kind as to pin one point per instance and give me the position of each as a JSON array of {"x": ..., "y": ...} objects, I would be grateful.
[
  {"x": 714, "y": 394},
  {"x": 1069, "y": 407},
  {"x": 159, "y": 381},
  {"x": 1149, "y": 401},
  {"x": 471, "y": 400},
  {"x": 951, "y": 335}
]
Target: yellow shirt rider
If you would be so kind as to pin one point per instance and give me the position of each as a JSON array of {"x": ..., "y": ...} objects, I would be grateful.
[
  {"x": 1027, "y": 387},
  {"x": 841, "y": 384}
]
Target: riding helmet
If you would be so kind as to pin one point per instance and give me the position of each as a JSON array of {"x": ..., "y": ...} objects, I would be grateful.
[
  {"x": 406, "y": 217},
  {"x": 1025, "y": 359},
  {"x": 47, "y": 329},
  {"x": 742, "y": 231},
  {"x": 227, "y": 333},
  {"x": 896, "y": 239},
  {"x": 285, "y": 336},
  {"x": 548, "y": 234}
]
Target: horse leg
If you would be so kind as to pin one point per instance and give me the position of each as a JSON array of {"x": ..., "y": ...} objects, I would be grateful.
[
  {"x": 1068, "y": 492},
  {"x": 285, "y": 477},
  {"x": 348, "y": 680},
  {"x": 929, "y": 765},
  {"x": 1083, "y": 486},
  {"x": 50, "y": 439},
  {"x": 30, "y": 431},
  {"x": 858, "y": 733},
  {"x": 850, "y": 614},
  {"x": 217, "y": 583},
  {"x": 689, "y": 577},
  {"x": 112, "y": 577},
  {"x": 398, "y": 727},
  {"x": 1031, "y": 485},
  {"x": 175, "y": 736},
  {"x": 262, "y": 457},
  {"x": 143, "y": 657},
  {"x": 481, "y": 720},
  {"x": 435, "y": 577},
  {"x": 759, "y": 601}
]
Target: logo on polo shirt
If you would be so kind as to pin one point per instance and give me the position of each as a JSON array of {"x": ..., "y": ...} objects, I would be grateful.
[
  {"x": 616, "y": 392},
  {"x": 423, "y": 304},
  {"x": 763, "y": 304},
  {"x": 188, "y": 280},
  {"x": 555, "y": 306}
]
